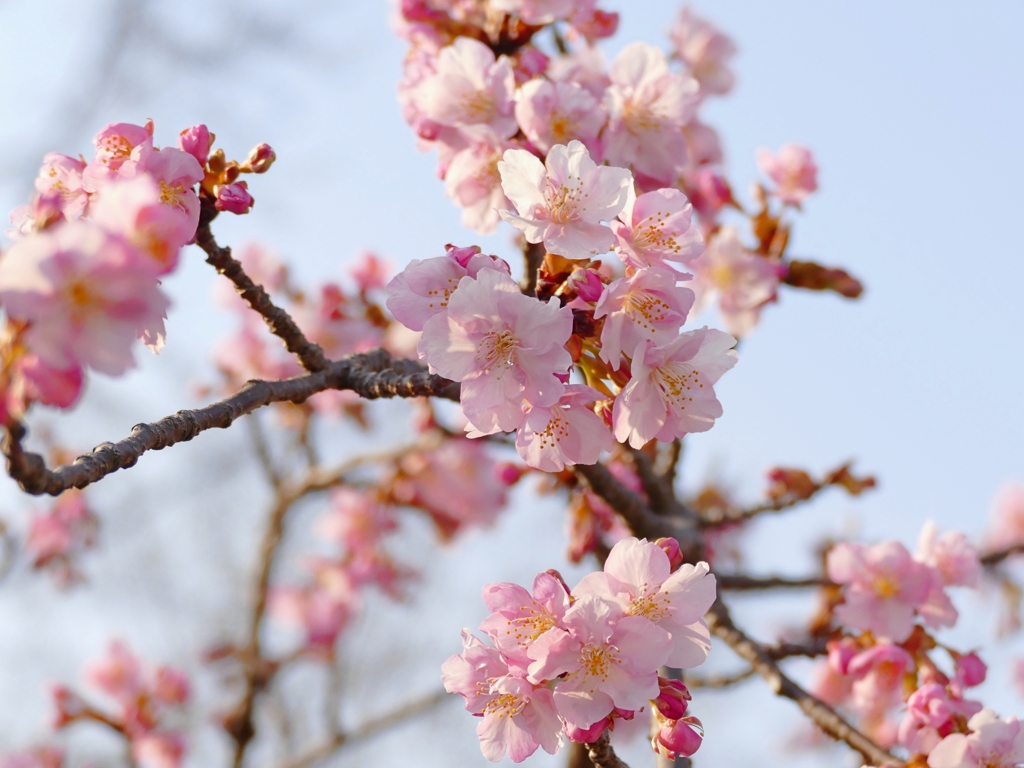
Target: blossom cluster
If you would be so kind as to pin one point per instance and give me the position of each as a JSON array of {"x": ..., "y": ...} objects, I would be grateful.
[
  {"x": 55, "y": 538},
  {"x": 574, "y": 661},
  {"x": 143, "y": 699},
  {"x": 82, "y": 281},
  {"x": 896, "y": 599}
]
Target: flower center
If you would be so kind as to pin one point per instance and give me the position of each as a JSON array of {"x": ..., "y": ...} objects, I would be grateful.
[
  {"x": 676, "y": 381},
  {"x": 479, "y": 107},
  {"x": 596, "y": 660},
  {"x": 531, "y": 626},
  {"x": 886, "y": 586},
  {"x": 650, "y": 234},
  {"x": 563, "y": 202},
  {"x": 655, "y": 606},
  {"x": 507, "y": 704},
  {"x": 498, "y": 348},
  {"x": 646, "y": 310},
  {"x": 116, "y": 148},
  {"x": 556, "y": 429},
  {"x": 173, "y": 196}
]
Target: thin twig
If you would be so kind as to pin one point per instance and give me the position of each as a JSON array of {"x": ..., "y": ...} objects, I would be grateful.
[
  {"x": 826, "y": 718},
  {"x": 719, "y": 681},
  {"x": 997, "y": 556},
  {"x": 372, "y": 375},
  {"x": 751, "y": 583},
  {"x": 729, "y": 516},
  {"x": 280, "y": 322},
  {"x": 262, "y": 450},
  {"x": 368, "y": 729}
]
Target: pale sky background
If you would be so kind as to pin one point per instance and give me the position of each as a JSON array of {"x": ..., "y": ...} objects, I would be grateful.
[{"x": 916, "y": 117}]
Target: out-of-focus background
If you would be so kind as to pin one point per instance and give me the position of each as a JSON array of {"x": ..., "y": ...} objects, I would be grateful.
[{"x": 915, "y": 115}]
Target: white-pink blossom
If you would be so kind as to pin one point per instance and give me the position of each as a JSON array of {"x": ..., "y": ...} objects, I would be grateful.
[
  {"x": 518, "y": 618},
  {"x": 650, "y": 305},
  {"x": 472, "y": 180},
  {"x": 992, "y": 743},
  {"x": 562, "y": 201},
  {"x": 951, "y": 554},
  {"x": 793, "y": 169},
  {"x": 671, "y": 392},
  {"x": 469, "y": 87},
  {"x": 705, "y": 50},
  {"x": 62, "y": 175},
  {"x": 648, "y": 107},
  {"x": 656, "y": 228},
  {"x": 557, "y": 112},
  {"x": 503, "y": 346},
  {"x": 639, "y": 576},
  {"x": 566, "y": 433}
]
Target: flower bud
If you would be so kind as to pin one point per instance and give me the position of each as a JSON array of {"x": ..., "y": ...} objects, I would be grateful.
[
  {"x": 586, "y": 283},
  {"x": 509, "y": 473},
  {"x": 671, "y": 548},
  {"x": 197, "y": 141},
  {"x": 260, "y": 159},
  {"x": 587, "y": 735},
  {"x": 672, "y": 698},
  {"x": 461, "y": 255},
  {"x": 970, "y": 670},
  {"x": 679, "y": 738},
  {"x": 234, "y": 198}
]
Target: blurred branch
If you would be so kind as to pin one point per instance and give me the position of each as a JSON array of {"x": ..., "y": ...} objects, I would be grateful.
[
  {"x": 760, "y": 659},
  {"x": 719, "y": 681},
  {"x": 657, "y": 487},
  {"x": 262, "y": 450},
  {"x": 368, "y": 730},
  {"x": 997, "y": 556},
  {"x": 371, "y": 375},
  {"x": 750, "y": 583}
]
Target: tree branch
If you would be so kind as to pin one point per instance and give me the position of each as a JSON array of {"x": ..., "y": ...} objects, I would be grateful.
[
  {"x": 760, "y": 658},
  {"x": 997, "y": 556},
  {"x": 280, "y": 322},
  {"x": 533, "y": 257},
  {"x": 750, "y": 583},
  {"x": 602, "y": 755},
  {"x": 372, "y": 375}
]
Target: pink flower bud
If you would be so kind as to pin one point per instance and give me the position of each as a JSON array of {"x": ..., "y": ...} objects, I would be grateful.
[
  {"x": 171, "y": 686},
  {"x": 587, "y": 735},
  {"x": 586, "y": 283},
  {"x": 234, "y": 198},
  {"x": 558, "y": 577},
  {"x": 672, "y": 698},
  {"x": 671, "y": 548},
  {"x": 69, "y": 706},
  {"x": 462, "y": 255},
  {"x": 532, "y": 62},
  {"x": 509, "y": 473},
  {"x": 970, "y": 670},
  {"x": 197, "y": 141},
  {"x": 840, "y": 654},
  {"x": 679, "y": 738},
  {"x": 260, "y": 159}
]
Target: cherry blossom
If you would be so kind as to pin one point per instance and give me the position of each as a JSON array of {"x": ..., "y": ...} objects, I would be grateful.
[
  {"x": 473, "y": 182},
  {"x": 41, "y": 757},
  {"x": 639, "y": 576},
  {"x": 536, "y": 11},
  {"x": 503, "y": 346},
  {"x": 705, "y": 51},
  {"x": 553, "y": 113},
  {"x": 884, "y": 586},
  {"x": 1007, "y": 526},
  {"x": 648, "y": 107},
  {"x": 792, "y": 169},
  {"x": 951, "y": 554},
  {"x": 742, "y": 281},
  {"x": 470, "y": 87},
  {"x": 656, "y": 228},
  {"x": 647, "y": 306},
  {"x": 120, "y": 148},
  {"x": 671, "y": 392},
  {"x": 518, "y": 618},
  {"x": 992, "y": 743},
  {"x": 87, "y": 295},
  {"x": 158, "y": 750},
  {"x": 566, "y": 433},
  {"x": 62, "y": 175},
  {"x": 197, "y": 141},
  {"x": 356, "y": 519},
  {"x": 562, "y": 202}
]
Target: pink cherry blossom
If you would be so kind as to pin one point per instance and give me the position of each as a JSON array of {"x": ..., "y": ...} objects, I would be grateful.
[
  {"x": 930, "y": 717},
  {"x": 54, "y": 538},
  {"x": 356, "y": 519},
  {"x": 62, "y": 175},
  {"x": 566, "y": 433},
  {"x": 503, "y": 346},
  {"x": 992, "y": 743},
  {"x": 423, "y": 288},
  {"x": 470, "y": 87},
  {"x": 517, "y": 716},
  {"x": 518, "y": 618},
  {"x": 649, "y": 306},
  {"x": 456, "y": 483},
  {"x": 553, "y": 113},
  {"x": 33, "y": 380},
  {"x": 604, "y": 659},
  {"x": 970, "y": 669},
  {"x": 159, "y": 750},
  {"x": 951, "y": 554},
  {"x": 88, "y": 296},
  {"x": 1007, "y": 525},
  {"x": 585, "y": 283},
  {"x": 743, "y": 281},
  {"x": 234, "y": 198},
  {"x": 671, "y": 392},
  {"x": 648, "y": 105},
  {"x": 170, "y": 686},
  {"x": 338, "y": 323},
  {"x": 197, "y": 142},
  {"x": 792, "y": 169},
  {"x": 638, "y": 575},
  {"x": 40, "y": 757},
  {"x": 536, "y": 11},
  {"x": 370, "y": 272},
  {"x": 473, "y": 182},
  {"x": 562, "y": 202},
  {"x": 705, "y": 51},
  {"x": 321, "y": 612},
  {"x": 119, "y": 675},
  {"x": 879, "y": 675},
  {"x": 656, "y": 228},
  {"x": 584, "y": 66},
  {"x": 134, "y": 209},
  {"x": 42, "y": 213},
  {"x": 884, "y": 586},
  {"x": 120, "y": 148},
  {"x": 177, "y": 173}
]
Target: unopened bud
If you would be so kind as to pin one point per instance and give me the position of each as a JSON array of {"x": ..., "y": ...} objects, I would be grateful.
[
  {"x": 671, "y": 548},
  {"x": 586, "y": 284},
  {"x": 234, "y": 198},
  {"x": 260, "y": 159},
  {"x": 197, "y": 141},
  {"x": 679, "y": 738},
  {"x": 509, "y": 474},
  {"x": 672, "y": 698},
  {"x": 970, "y": 669}
]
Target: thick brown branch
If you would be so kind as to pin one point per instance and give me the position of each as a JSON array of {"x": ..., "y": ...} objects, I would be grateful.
[
  {"x": 533, "y": 257},
  {"x": 760, "y": 658},
  {"x": 280, "y": 322},
  {"x": 997, "y": 556},
  {"x": 371, "y": 375},
  {"x": 602, "y": 755},
  {"x": 641, "y": 520},
  {"x": 658, "y": 488},
  {"x": 750, "y": 583}
]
